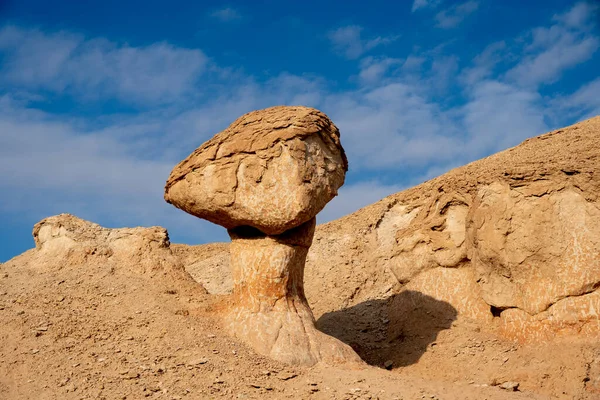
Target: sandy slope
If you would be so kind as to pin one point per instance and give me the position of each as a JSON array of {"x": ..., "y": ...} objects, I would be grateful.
[{"x": 98, "y": 331}]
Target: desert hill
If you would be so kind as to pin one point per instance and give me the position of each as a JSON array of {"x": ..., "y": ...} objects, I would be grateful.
[{"x": 485, "y": 277}]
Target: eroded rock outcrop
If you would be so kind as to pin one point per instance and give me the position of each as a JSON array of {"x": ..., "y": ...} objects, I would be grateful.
[
  {"x": 65, "y": 240},
  {"x": 265, "y": 178},
  {"x": 511, "y": 241}
]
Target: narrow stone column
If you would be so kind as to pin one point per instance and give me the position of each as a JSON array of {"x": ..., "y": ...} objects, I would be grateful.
[
  {"x": 268, "y": 271},
  {"x": 269, "y": 308}
]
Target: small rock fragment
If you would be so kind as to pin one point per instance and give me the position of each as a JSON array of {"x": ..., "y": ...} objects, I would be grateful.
[
  {"x": 198, "y": 361},
  {"x": 131, "y": 375},
  {"x": 510, "y": 386},
  {"x": 285, "y": 376}
]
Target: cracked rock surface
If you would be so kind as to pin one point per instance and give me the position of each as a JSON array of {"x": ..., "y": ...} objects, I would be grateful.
[{"x": 271, "y": 169}]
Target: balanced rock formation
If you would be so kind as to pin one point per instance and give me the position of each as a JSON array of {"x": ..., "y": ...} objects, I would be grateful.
[{"x": 265, "y": 178}]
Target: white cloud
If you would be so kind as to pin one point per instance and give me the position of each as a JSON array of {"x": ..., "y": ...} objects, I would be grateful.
[
  {"x": 499, "y": 115},
  {"x": 483, "y": 64},
  {"x": 43, "y": 152},
  {"x": 443, "y": 72},
  {"x": 347, "y": 40},
  {"x": 159, "y": 73},
  {"x": 226, "y": 14},
  {"x": 587, "y": 96},
  {"x": 355, "y": 196},
  {"x": 33, "y": 58},
  {"x": 421, "y": 4},
  {"x": 453, "y": 16},
  {"x": 550, "y": 51},
  {"x": 373, "y": 70},
  {"x": 392, "y": 126},
  {"x": 579, "y": 16},
  {"x": 584, "y": 103},
  {"x": 413, "y": 63},
  {"x": 546, "y": 67}
]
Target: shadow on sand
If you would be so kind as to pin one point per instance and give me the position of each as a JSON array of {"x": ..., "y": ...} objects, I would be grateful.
[{"x": 399, "y": 328}]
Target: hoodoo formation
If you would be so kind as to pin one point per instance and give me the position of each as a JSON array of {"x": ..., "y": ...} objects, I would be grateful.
[{"x": 265, "y": 178}]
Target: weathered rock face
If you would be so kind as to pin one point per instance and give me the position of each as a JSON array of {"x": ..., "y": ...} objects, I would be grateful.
[
  {"x": 65, "y": 240},
  {"x": 511, "y": 242},
  {"x": 265, "y": 178},
  {"x": 271, "y": 169}
]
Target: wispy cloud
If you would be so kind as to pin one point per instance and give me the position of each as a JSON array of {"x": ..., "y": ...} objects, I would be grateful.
[
  {"x": 409, "y": 128},
  {"x": 226, "y": 14},
  {"x": 372, "y": 70},
  {"x": 499, "y": 115},
  {"x": 453, "y": 16},
  {"x": 421, "y": 4},
  {"x": 549, "y": 51},
  {"x": 580, "y": 15},
  {"x": 92, "y": 68},
  {"x": 348, "y": 41},
  {"x": 583, "y": 103},
  {"x": 352, "y": 197},
  {"x": 483, "y": 64}
]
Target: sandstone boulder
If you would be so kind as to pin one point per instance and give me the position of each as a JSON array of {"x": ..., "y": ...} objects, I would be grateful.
[{"x": 271, "y": 169}]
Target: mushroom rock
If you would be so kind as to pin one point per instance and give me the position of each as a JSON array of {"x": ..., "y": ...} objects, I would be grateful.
[
  {"x": 265, "y": 178},
  {"x": 271, "y": 169}
]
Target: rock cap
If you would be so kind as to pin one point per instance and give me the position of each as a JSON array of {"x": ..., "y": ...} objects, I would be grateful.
[{"x": 271, "y": 169}]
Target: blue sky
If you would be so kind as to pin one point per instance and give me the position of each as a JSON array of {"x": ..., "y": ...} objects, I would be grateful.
[{"x": 99, "y": 100}]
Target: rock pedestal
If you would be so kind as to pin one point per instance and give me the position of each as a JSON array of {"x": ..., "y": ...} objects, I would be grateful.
[{"x": 269, "y": 307}]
